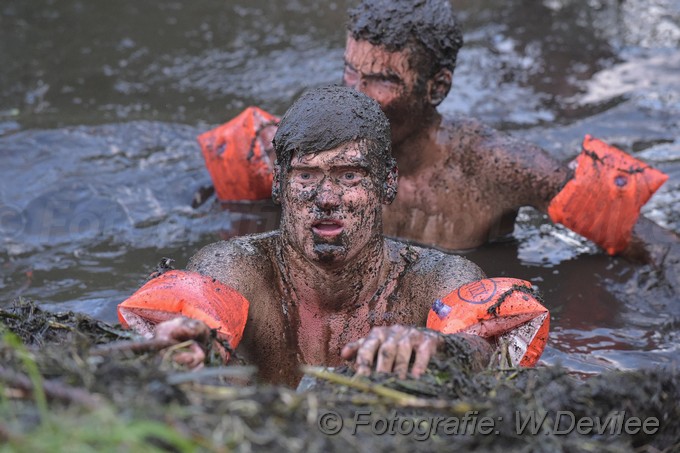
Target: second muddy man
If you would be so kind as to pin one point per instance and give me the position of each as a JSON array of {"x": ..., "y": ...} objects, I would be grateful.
[{"x": 461, "y": 182}]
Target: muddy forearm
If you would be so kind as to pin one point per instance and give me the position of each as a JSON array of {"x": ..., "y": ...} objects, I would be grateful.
[
  {"x": 531, "y": 174},
  {"x": 470, "y": 351},
  {"x": 549, "y": 184},
  {"x": 655, "y": 245}
]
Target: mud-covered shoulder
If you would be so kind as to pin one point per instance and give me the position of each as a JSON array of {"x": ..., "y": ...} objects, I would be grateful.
[
  {"x": 242, "y": 263},
  {"x": 468, "y": 130},
  {"x": 486, "y": 142},
  {"x": 521, "y": 172},
  {"x": 434, "y": 272}
]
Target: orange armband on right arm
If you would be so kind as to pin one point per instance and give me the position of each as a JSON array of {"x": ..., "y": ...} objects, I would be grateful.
[
  {"x": 496, "y": 308},
  {"x": 236, "y": 157},
  {"x": 184, "y": 293},
  {"x": 602, "y": 201}
]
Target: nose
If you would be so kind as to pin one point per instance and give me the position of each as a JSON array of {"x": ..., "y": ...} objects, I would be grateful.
[{"x": 327, "y": 195}]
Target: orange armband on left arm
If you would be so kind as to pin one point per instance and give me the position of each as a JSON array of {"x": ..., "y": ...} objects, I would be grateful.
[
  {"x": 602, "y": 201},
  {"x": 496, "y": 308},
  {"x": 236, "y": 157},
  {"x": 183, "y": 293}
]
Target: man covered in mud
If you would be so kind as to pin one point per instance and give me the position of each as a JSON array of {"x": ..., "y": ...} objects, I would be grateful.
[
  {"x": 327, "y": 286},
  {"x": 461, "y": 182}
]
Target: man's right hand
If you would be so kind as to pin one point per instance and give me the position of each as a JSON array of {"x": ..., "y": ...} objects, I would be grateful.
[{"x": 181, "y": 329}]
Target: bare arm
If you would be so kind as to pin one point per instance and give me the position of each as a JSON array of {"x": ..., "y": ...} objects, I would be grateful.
[
  {"x": 525, "y": 173},
  {"x": 544, "y": 177},
  {"x": 222, "y": 302},
  {"x": 657, "y": 246},
  {"x": 233, "y": 262}
]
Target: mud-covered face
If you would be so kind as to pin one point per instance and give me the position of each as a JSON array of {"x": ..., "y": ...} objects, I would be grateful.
[
  {"x": 388, "y": 78},
  {"x": 331, "y": 204}
]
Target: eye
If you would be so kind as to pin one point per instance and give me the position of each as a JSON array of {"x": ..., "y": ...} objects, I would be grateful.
[
  {"x": 304, "y": 177},
  {"x": 386, "y": 83},
  {"x": 350, "y": 177}
]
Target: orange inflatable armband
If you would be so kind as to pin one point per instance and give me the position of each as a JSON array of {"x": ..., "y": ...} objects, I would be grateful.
[
  {"x": 235, "y": 154},
  {"x": 602, "y": 201},
  {"x": 496, "y": 309},
  {"x": 183, "y": 293}
]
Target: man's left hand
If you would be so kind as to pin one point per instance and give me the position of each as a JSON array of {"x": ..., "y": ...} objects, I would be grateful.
[{"x": 394, "y": 347}]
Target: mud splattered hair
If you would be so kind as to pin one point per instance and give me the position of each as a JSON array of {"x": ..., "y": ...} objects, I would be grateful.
[
  {"x": 429, "y": 25},
  {"x": 325, "y": 118},
  {"x": 328, "y": 117}
]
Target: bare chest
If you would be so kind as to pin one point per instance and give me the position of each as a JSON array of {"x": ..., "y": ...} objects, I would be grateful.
[
  {"x": 447, "y": 208},
  {"x": 322, "y": 336}
]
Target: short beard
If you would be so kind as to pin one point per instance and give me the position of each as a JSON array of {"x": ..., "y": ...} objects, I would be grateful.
[{"x": 329, "y": 251}]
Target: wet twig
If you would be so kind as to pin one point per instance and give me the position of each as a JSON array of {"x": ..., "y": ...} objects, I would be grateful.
[
  {"x": 8, "y": 315},
  {"x": 394, "y": 396},
  {"x": 53, "y": 390},
  {"x": 213, "y": 372},
  {"x": 131, "y": 346}
]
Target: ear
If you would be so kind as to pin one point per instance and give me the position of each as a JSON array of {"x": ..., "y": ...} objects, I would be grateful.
[
  {"x": 391, "y": 183},
  {"x": 276, "y": 183},
  {"x": 438, "y": 86}
]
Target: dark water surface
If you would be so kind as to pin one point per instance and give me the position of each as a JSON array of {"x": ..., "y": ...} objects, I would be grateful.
[{"x": 100, "y": 103}]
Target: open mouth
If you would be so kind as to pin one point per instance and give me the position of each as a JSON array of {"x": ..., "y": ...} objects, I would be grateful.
[{"x": 327, "y": 227}]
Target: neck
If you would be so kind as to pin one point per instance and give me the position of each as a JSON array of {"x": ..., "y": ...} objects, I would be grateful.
[{"x": 335, "y": 287}]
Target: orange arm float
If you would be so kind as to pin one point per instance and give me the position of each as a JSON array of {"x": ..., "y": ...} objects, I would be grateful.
[
  {"x": 235, "y": 154},
  {"x": 183, "y": 293},
  {"x": 602, "y": 201},
  {"x": 496, "y": 308}
]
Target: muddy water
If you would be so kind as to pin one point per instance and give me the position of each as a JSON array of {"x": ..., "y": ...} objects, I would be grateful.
[{"x": 100, "y": 104}]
